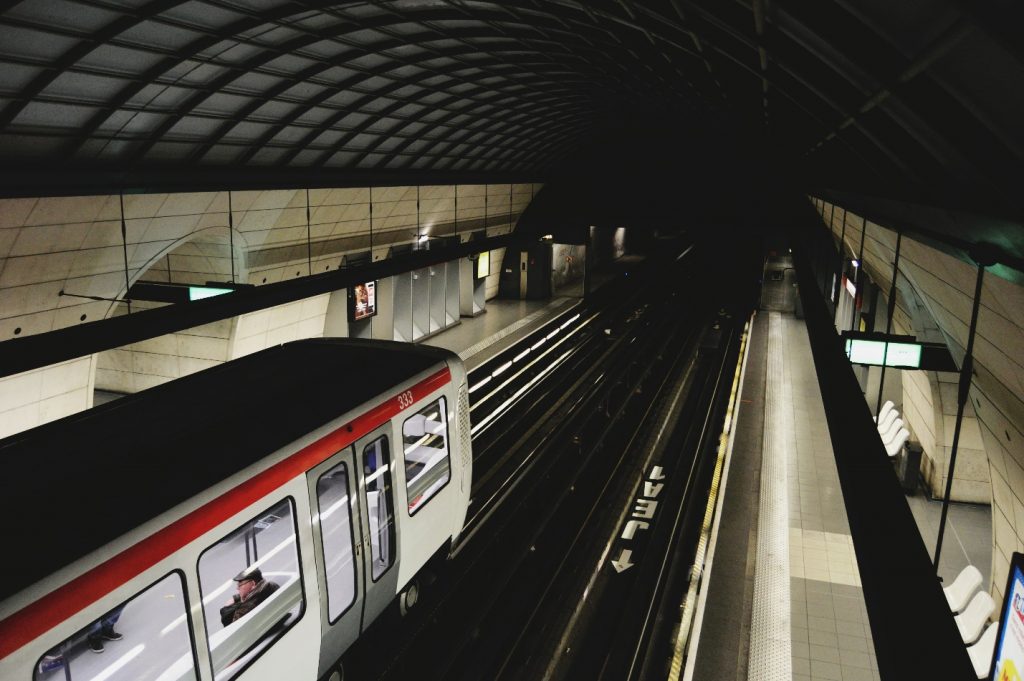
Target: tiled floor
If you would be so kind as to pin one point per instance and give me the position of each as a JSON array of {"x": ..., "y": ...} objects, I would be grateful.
[
  {"x": 830, "y": 637},
  {"x": 830, "y": 632},
  {"x": 477, "y": 338},
  {"x": 968, "y": 538}
]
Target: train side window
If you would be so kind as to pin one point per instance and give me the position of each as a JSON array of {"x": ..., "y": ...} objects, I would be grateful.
[
  {"x": 252, "y": 589},
  {"x": 379, "y": 505},
  {"x": 145, "y": 638},
  {"x": 427, "y": 462},
  {"x": 336, "y": 533}
]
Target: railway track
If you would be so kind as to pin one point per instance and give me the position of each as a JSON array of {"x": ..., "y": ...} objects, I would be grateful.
[{"x": 541, "y": 492}]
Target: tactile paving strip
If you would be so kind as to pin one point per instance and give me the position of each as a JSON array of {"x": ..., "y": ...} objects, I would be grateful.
[{"x": 770, "y": 634}]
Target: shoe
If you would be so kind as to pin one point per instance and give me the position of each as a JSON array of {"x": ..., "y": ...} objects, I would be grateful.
[
  {"x": 95, "y": 645},
  {"x": 111, "y": 635}
]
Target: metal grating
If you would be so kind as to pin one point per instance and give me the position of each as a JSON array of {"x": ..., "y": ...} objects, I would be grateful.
[
  {"x": 464, "y": 431},
  {"x": 770, "y": 638},
  {"x": 893, "y": 96}
]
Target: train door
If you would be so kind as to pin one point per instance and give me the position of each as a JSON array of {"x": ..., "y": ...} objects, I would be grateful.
[
  {"x": 375, "y": 455},
  {"x": 337, "y": 534}
]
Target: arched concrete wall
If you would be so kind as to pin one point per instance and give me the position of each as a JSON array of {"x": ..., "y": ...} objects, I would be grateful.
[
  {"x": 206, "y": 254},
  {"x": 75, "y": 244},
  {"x": 971, "y": 479},
  {"x": 945, "y": 285}
]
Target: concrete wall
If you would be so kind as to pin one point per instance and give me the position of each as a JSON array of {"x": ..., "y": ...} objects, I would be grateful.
[
  {"x": 75, "y": 245},
  {"x": 292, "y": 321},
  {"x": 36, "y": 397},
  {"x": 992, "y": 441}
]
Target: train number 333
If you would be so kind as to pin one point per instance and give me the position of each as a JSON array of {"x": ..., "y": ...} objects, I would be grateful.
[{"x": 405, "y": 399}]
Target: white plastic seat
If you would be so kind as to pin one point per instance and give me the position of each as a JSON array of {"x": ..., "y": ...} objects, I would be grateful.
[
  {"x": 884, "y": 411},
  {"x": 972, "y": 620},
  {"x": 887, "y": 420},
  {"x": 892, "y": 448},
  {"x": 891, "y": 431},
  {"x": 981, "y": 652},
  {"x": 963, "y": 588}
]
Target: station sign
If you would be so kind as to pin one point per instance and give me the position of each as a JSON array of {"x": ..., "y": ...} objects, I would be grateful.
[
  {"x": 200, "y": 292},
  {"x": 875, "y": 353},
  {"x": 871, "y": 348},
  {"x": 169, "y": 292}
]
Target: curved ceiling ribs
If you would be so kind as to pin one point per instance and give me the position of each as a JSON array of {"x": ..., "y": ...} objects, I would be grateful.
[{"x": 511, "y": 86}]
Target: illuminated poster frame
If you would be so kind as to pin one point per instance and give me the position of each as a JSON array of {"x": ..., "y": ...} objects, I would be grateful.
[
  {"x": 362, "y": 301},
  {"x": 483, "y": 265},
  {"x": 1008, "y": 656}
]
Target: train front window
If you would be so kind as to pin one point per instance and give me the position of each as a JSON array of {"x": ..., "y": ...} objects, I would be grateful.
[
  {"x": 252, "y": 589},
  {"x": 379, "y": 505},
  {"x": 427, "y": 465},
  {"x": 145, "y": 638},
  {"x": 336, "y": 533}
]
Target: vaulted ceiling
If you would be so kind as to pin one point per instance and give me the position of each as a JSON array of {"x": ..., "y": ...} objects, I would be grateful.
[{"x": 918, "y": 99}]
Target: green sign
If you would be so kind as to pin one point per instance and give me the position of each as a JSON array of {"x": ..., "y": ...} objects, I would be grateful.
[
  {"x": 902, "y": 355},
  {"x": 200, "y": 292}
]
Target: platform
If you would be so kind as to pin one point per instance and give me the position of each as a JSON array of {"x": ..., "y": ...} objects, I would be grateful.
[
  {"x": 477, "y": 339},
  {"x": 783, "y": 593},
  {"x": 784, "y": 596}
]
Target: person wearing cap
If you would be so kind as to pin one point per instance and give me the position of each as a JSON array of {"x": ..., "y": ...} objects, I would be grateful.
[{"x": 252, "y": 590}]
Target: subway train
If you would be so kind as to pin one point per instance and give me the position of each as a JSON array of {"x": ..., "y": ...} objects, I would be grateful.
[{"x": 246, "y": 522}]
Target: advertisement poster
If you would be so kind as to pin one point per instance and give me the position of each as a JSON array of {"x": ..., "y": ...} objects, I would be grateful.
[
  {"x": 483, "y": 264},
  {"x": 364, "y": 300},
  {"x": 1009, "y": 652}
]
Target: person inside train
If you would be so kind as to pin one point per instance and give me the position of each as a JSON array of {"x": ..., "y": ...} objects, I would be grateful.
[
  {"x": 97, "y": 632},
  {"x": 103, "y": 630},
  {"x": 252, "y": 590}
]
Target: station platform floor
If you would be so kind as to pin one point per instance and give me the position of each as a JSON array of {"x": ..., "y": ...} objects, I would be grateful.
[
  {"x": 784, "y": 598},
  {"x": 477, "y": 339}
]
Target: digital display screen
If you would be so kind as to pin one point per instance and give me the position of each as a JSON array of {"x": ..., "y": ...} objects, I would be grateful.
[
  {"x": 362, "y": 301},
  {"x": 1008, "y": 657},
  {"x": 902, "y": 355},
  {"x": 483, "y": 264}
]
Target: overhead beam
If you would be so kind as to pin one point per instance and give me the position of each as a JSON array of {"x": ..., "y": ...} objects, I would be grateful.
[{"x": 33, "y": 352}]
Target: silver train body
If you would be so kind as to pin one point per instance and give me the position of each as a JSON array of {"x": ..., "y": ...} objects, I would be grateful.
[{"x": 364, "y": 480}]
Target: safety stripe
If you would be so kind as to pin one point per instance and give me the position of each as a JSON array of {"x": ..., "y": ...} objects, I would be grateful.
[
  {"x": 770, "y": 657},
  {"x": 47, "y": 612}
]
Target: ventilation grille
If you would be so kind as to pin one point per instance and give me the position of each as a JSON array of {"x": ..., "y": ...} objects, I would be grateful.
[{"x": 465, "y": 439}]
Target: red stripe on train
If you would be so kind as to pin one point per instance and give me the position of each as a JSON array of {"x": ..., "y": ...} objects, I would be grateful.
[{"x": 42, "y": 615}]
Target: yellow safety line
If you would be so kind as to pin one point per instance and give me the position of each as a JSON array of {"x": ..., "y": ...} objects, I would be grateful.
[{"x": 687, "y": 607}]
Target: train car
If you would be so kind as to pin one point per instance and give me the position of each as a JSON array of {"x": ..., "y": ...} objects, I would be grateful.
[{"x": 246, "y": 522}]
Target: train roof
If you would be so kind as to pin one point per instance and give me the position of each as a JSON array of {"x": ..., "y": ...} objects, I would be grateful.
[{"x": 73, "y": 485}]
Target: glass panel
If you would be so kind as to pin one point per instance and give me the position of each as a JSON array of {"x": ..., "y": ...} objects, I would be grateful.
[
  {"x": 379, "y": 505},
  {"x": 336, "y": 533},
  {"x": 252, "y": 589},
  {"x": 146, "y": 637},
  {"x": 427, "y": 467}
]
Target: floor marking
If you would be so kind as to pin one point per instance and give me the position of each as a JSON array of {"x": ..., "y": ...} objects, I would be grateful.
[{"x": 770, "y": 635}]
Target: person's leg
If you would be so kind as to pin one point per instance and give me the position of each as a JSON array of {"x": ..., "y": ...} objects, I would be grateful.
[
  {"x": 108, "y": 626},
  {"x": 94, "y": 636}
]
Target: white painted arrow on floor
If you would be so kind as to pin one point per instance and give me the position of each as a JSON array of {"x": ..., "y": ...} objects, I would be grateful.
[{"x": 623, "y": 564}]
